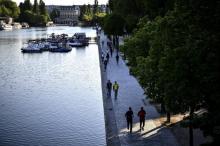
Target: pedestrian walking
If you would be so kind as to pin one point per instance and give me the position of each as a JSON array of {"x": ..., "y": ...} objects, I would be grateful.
[
  {"x": 109, "y": 43},
  {"x": 115, "y": 89},
  {"x": 129, "y": 117},
  {"x": 117, "y": 58},
  {"x": 141, "y": 115},
  {"x": 102, "y": 57},
  {"x": 105, "y": 64},
  {"x": 109, "y": 88},
  {"x": 107, "y": 56},
  {"x": 102, "y": 43},
  {"x": 111, "y": 50}
]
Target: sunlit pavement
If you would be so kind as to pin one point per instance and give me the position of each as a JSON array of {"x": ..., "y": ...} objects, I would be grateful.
[{"x": 131, "y": 94}]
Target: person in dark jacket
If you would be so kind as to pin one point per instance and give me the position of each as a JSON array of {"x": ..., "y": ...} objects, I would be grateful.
[
  {"x": 141, "y": 115},
  {"x": 109, "y": 88},
  {"x": 111, "y": 50},
  {"x": 105, "y": 64},
  {"x": 107, "y": 56},
  {"x": 129, "y": 118},
  {"x": 117, "y": 58}
]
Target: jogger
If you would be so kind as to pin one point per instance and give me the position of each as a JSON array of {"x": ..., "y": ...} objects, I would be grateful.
[
  {"x": 142, "y": 115},
  {"x": 129, "y": 118}
]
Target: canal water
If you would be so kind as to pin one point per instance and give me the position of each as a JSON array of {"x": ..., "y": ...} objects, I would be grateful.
[{"x": 50, "y": 99}]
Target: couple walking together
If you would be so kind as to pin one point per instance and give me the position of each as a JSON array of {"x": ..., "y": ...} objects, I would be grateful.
[
  {"x": 129, "y": 117},
  {"x": 115, "y": 88}
]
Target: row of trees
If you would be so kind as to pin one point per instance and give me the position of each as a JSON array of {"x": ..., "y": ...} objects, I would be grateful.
[
  {"x": 173, "y": 50},
  {"x": 91, "y": 14},
  {"x": 35, "y": 15},
  {"x": 9, "y": 8}
]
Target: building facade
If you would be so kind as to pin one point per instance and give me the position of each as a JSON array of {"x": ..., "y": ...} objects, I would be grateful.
[{"x": 68, "y": 14}]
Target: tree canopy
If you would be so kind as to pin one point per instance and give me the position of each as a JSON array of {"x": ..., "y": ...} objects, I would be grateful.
[
  {"x": 35, "y": 15},
  {"x": 9, "y": 8},
  {"x": 91, "y": 14},
  {"x": 173, "y": 50}
]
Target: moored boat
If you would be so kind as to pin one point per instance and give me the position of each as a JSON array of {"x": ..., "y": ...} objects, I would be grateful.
[
  {"x": 75, "y": 43},
  {"x": 24, "y": 25},
  {"x": 17, "y": 25},
  {"x": 31, "y": 48},
  {"x": 59, "y": 47},
  {"x": 5, "y": 26}
]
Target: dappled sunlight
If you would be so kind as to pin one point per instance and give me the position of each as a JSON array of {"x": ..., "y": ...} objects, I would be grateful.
[
  {"x": 149, "y": 130},
  {"x": 162, "y": 120},
  {"x": 153, "y": 128}
]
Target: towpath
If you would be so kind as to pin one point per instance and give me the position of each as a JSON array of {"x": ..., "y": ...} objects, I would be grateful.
[{"x": 130, "y": 94}]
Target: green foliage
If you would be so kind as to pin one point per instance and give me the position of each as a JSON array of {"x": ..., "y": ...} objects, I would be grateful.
[
  {"x": 175, "y": 57},
  {"x": 35, "y": 15},
  {"x": 95, "y": 7},
  {"x": 26, "y": 6},
  {"x": 42, "y": 8},
  {"x": 91, "y": 16},
  {"x": 9, "y": 8},
  {"x": 111, "y": 4},
  {"x": 114, "y": 24},
  {"x": 54, "y": 14},
  {"x": 133, "y": 10},
  {"x": 36, "y": 7},
  {"x": 34, "y": 19},
  {"x": 131, "y": 22},
  {"x": 100, "y": 18}
]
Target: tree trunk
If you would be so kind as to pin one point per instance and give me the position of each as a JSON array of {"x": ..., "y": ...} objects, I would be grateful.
[
  {"x": 191, "y": 112},
  {"x": 114, "y": 41},
  {"x": 162, "y": 107},
  {"x": 117, "y": 44},
  {"x": 168, "y": 116}
]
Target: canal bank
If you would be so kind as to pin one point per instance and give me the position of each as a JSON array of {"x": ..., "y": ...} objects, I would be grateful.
[
  {"x": 112, "y": 138},
  {"x": 130, "y": 94}
]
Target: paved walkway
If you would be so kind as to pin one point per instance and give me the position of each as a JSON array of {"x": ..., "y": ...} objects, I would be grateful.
[{"x": 131, "y": 94}]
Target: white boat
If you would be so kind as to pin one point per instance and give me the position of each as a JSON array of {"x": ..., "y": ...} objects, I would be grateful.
[
  {"x": 5, "y": 27},
  {"x": 24, "y": 25},
  {"x": 17, "y": 26}
]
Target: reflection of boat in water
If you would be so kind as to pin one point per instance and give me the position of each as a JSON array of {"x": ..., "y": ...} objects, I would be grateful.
[
  {"x": 61, "y": 49},
  {"x": 75, "y": 43}
]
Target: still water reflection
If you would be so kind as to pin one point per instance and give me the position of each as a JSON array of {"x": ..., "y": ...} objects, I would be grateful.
[{"x": 49, "y": 98}]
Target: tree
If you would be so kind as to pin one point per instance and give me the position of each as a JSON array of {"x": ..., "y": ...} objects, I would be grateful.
[
  {"x": 26, "y": 6},
  {"x": 36, "y": 7},
  {"x": 95, "y": 7},
  {"x": 82, "y": 11},
  {"x": 174, "y": 53},
  {"x": 54, "y": 14},
  {"x": 37, "y": 16},
  {"x": 114, "y": 25},
  {"x": 9, "y": 8},
  {"x": 42, "y": 8}
]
